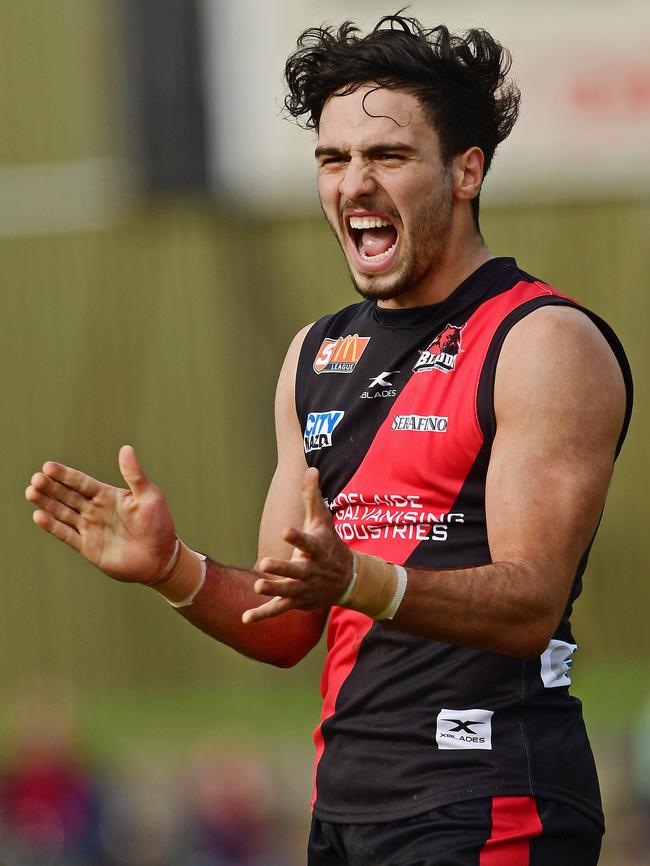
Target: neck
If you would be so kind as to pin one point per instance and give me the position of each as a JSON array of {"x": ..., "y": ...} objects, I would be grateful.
[{"x": 458, "y": 261}]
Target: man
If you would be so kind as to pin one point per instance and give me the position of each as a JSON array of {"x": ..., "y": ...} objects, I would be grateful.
[{"x": 444, "y": 451}]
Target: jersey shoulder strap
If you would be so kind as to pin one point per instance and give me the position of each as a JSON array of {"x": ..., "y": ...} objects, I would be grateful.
[{"x": 547, "y": 297}]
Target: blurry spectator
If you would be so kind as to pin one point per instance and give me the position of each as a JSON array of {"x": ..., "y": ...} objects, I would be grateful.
[
  {"x": 233, "y": 803},
  {"x": 48, "y": 803},
  {"x": 213, "y": 809},
  {"x": 142, "y": 820}
]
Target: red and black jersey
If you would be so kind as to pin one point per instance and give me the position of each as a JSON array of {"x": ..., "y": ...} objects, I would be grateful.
[{"x": 397, "y": 413}]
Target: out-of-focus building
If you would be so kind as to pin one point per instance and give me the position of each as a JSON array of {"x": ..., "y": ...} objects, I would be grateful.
[
  {"x": 584, "y": 129},
  {"x": 191, "y": 97}
]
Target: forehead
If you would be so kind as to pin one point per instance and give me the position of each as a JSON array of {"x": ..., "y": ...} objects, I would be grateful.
[{"x": 373, "y": 113}]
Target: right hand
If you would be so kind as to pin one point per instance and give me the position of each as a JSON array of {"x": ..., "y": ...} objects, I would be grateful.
[{"x": 128, "y": 534}]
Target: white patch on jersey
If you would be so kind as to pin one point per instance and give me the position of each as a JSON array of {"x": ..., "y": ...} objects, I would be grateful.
[
  {"x": 556, "y": 662},
  {"x": 421, "y": 423},
  {"x": 319, "y": 429},
  {"x": 464, "y": 729}
]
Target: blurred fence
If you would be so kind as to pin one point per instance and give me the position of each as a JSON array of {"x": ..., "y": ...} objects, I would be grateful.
[
  {"x": 168, "y": 332},
  {"x": 163, "y": 324}
]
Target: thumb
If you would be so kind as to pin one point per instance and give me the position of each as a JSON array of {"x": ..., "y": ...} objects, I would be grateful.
[
  {"x": 131, "y": 471},
  {"x": 315, "y": 508}
]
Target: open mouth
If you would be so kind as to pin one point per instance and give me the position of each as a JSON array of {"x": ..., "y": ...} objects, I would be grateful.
[{"x": 374, "y": 240}]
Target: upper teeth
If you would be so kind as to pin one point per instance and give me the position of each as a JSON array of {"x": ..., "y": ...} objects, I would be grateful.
[{"x": 368, "y": 222}]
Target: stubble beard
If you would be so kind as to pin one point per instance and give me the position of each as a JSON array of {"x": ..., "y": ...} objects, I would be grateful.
[{"x": 422, "y": 253}]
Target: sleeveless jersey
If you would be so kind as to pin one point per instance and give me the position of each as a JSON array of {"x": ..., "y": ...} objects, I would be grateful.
[{"x": 397, "y": 413}]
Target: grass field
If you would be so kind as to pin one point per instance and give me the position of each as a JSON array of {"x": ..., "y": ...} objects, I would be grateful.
[{"x": 284, "y": 706}]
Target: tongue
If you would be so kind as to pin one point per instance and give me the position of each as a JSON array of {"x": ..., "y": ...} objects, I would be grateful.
[{"x": 376, "y": 241}]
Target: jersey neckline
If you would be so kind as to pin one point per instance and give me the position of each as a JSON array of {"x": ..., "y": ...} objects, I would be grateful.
[{"x": 413, "y": 317}]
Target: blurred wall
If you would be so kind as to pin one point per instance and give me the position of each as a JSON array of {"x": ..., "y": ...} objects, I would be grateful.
[
  {"x": 163, "y": 322},
  {"x": 583, "y": 128}
]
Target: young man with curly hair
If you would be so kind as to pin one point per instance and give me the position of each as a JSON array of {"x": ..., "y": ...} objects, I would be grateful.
[{"x": 444, "y": 452}]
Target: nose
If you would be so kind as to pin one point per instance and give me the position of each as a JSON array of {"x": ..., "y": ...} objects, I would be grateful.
[{"x": 357, "y": 181}]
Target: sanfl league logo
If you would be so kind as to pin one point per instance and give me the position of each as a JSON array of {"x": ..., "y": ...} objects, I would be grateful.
[{"x": 340, "y": 355}]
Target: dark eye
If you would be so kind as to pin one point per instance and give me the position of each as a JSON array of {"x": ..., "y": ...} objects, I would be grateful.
[{"x": 332, "y": 161}]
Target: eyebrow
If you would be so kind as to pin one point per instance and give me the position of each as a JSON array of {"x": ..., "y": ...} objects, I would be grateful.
[{"x": 381, "y": 147}]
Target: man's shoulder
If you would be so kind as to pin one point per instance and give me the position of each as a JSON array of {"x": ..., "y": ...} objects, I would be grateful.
[
  {"x": 565, "y": 351},
  {"x": 560, "y": 326}
]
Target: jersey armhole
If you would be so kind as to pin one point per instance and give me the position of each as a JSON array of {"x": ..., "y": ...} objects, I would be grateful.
[
  {"x": 305, "y": 356},
  {"x": 485, "y": 391}
]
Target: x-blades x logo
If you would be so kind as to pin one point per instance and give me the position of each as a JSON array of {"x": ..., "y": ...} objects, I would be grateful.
[
  {"x": 382, "y": 380},
  {"x": 463, "y": 726}
]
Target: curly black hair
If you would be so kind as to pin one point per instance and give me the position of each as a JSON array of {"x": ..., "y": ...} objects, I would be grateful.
[{"x": 460, "y": 80}]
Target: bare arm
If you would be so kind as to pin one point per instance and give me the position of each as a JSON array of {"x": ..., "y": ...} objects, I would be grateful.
[
  {"x": 559, "y": 401},
  {"x": 129, "y": 534},
  {"x": 228, "y": 592}
]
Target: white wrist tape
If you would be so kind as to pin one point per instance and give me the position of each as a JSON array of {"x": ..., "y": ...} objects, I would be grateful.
[
  {"x": 400, "y": 590},
  {"x": 183, "y": 577},
  {"x": 170, "y": 564},
  {"x": 343, "y": 600},
  {"x": 377, "y": 587}
]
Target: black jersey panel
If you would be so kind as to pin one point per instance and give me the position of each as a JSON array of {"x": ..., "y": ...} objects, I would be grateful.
[
  {"x": 337, "y": 392},
  {"x": 388, "y": 692}
]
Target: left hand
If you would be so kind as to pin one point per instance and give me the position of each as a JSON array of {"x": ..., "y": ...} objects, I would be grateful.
[{"x": 320, "y": 567}]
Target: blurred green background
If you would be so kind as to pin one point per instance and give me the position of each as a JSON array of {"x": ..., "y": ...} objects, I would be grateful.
[{"x": 165, "y": 328}]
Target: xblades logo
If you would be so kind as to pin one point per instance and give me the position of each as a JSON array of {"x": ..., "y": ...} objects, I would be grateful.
[
  {"x": 380, "y": 381},
  {"x": 464, "y": 729}
]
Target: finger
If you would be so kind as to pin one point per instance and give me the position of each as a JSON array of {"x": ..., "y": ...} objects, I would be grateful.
[
  {"x": 315, "y": 508},
  {"x": 59, "y": 530},
  {"x": 43, "y": 484},
  {"x": 54, "y": 508},
  {"x": 293, "y": 568},
  {"x": 132, "y": 471},
  {"x": 303, "y": 541},
  {"x": 84, "y": 484},
  {"x": 269, "y": 609},
  {"x": 287, "y": 588}
]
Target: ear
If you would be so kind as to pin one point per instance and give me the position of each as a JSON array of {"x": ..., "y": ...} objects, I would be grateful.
[{"x": 467, "y": 168}]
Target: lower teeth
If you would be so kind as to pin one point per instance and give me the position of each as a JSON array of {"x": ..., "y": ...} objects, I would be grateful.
[{"x": 379, "y": 257}]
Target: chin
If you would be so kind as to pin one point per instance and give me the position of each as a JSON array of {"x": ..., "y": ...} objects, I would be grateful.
[{"x": 382, "y": 288}]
